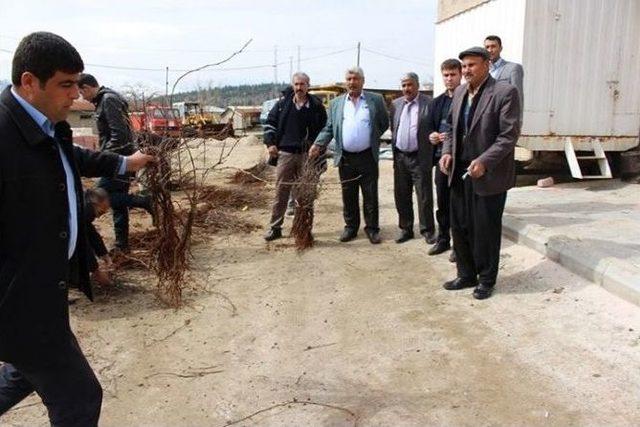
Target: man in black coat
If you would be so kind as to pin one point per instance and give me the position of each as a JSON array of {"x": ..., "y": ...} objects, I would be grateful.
[
  {"x": 43, "y": 239},
  {"x": 292, "y": 125},
  {"x": 115, "y": 136},
  {"x": 451, "y": 70}
]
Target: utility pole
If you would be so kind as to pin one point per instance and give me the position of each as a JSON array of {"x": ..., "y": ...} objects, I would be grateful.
[
  {"x": 358, "y": 61},
  {"x": 299, "y": 58},
  {"x": 166, "y": 86},
  {"x": 290, "y": 66},
  {"x": 275, "y": 70}
]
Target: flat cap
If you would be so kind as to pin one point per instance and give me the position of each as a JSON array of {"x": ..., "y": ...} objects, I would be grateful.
[{"x": 475, "y": 51}]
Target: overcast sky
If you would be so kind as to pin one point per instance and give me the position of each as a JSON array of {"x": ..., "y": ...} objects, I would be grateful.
[{"x": 184, "y": 34}]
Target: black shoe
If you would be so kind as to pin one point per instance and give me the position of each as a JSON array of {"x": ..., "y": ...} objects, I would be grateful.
[
  {"x": 482, "y": 291},
  {"x": 440, "y": 247},
  {"x": 404, "y": 236},
  {"x": 430, "y": 237},
  {"x": 273, "y": 234},
  {"x": 348, "y": 234},
  {"x": 374, "y": 237},
  {"x": 459, "y": 283},
  {"x": 452, "y": 256}
]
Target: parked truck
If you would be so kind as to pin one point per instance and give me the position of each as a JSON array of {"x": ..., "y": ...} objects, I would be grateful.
[
  {"x": 581, "y": 60},
  {"x": 158, "y": 120}
]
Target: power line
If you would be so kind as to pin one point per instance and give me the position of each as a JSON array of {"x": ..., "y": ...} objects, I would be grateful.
[
  {"x": 177, "y": 70},
  {"x": 397, "y": 58}
]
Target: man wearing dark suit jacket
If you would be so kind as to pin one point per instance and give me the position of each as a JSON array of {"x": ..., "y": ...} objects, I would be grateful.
[
  {"x": 478, "y": 157},
  {"x": 356, "y": 121},
  {"x": 438, "y": 127},
  {"x": 412, "y": 160},
  {"x": 43, "y": 241}
]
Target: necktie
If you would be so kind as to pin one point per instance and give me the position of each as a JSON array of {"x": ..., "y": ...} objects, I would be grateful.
[{"x": 405, "y": 127}]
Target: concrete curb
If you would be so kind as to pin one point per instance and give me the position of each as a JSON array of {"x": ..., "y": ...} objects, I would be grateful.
[{"x": 614, "y": 275}]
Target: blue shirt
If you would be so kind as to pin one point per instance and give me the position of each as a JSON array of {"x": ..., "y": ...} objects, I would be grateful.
[
  {"x": 48, "y": 128},
  {"x": 356, "y": 125},
  {"x": 495, "y": 67}
]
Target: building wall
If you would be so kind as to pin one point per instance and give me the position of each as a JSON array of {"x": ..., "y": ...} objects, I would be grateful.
[
  {"x": 504, "y": 18},
  {"x": 582, "y": 59},
  {"x": 449, "y": 8},
  {"x": 81, "y": 119}
]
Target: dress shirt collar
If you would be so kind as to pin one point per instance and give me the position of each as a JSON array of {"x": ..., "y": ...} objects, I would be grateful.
[
  {"x": 499, "y": 63},
  {"x": 359, "y": 97},
  {"x": 42, "y": 120}
]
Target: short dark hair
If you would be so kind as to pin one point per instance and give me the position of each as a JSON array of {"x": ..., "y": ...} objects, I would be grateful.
[
  {"x": 87, "y": 80},
  {"x": 451, "y": 64},
  {"x": 43, "y": 54},
  {"x": 494, "y": 39}
]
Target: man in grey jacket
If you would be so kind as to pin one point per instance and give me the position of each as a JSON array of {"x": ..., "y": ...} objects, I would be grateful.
[
  {"x": 478, "y": 157},
  {"x": 356, "y": 121},
  {"x": 502, "y": 70}
]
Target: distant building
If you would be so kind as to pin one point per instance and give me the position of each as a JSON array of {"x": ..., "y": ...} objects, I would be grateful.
[
  {"x": 82, "y": 121},
  {"x": 244, "y": 117}
]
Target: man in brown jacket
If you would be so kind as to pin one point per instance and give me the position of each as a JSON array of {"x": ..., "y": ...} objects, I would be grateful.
[{"x": 478, "y": 157}]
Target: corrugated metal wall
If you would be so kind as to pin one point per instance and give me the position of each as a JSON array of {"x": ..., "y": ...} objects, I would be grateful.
[
  {"x": 504, "y": 18},
  {"x": 581, "y": 60},
  {"x": 582, "y": 65}
]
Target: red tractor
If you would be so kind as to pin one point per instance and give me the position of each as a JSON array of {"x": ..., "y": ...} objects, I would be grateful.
[{"x": 161, "y": 121}]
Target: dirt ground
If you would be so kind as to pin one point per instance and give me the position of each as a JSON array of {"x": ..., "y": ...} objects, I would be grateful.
[{"x": 355, "y": 334}]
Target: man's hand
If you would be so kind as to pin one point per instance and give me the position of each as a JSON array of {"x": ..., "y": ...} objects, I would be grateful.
[
  {"x": 445, "y": 163},
  {"x": 138, "y": 160},
  {"x": 102, "y": 278},
  {"x": 314, "y": 151},
  {"x": 273, "y": 151},
  {"x": 476, "y": 169},
  {"x": 434, "y": 138}
]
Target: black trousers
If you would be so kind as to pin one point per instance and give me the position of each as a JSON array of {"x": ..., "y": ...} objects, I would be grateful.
[
  {"x": 67, "y": 386},
  {"x": 121, "y": 201},
  {"x": 407, "y": 175},
  {"x": 359, "y": 172},
  {"x": 476, "y": 227},
  {"x": 443, "y": 213}
]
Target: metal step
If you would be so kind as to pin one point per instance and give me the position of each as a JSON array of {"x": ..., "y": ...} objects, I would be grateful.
[
  {"x": 590, "y": 157},
  {"x": 599, "y": 155}
]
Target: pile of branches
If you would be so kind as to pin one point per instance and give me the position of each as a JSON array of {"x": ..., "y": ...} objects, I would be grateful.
[
  {"x": 306, "y": 190},
  {"x": 177, "y": 163},
  {"x": 256, "y": 174}
]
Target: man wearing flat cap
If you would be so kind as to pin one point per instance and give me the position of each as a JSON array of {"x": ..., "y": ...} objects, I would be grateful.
[{"x": 478, "y": 157}]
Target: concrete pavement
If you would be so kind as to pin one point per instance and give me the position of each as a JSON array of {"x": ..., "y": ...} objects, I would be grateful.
[{"x": 590, "y": 227}]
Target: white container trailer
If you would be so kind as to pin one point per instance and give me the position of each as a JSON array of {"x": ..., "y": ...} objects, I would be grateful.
[{"x": 581, "y": 62}]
